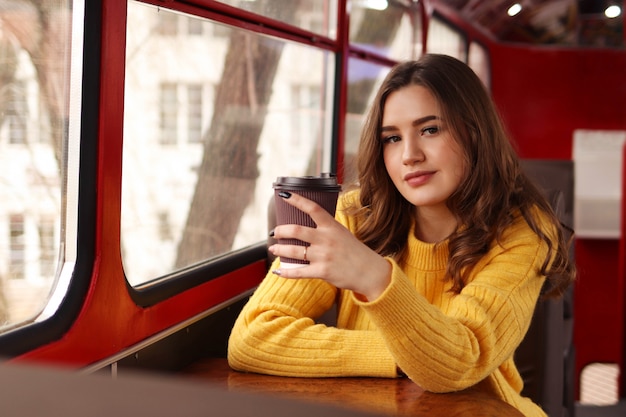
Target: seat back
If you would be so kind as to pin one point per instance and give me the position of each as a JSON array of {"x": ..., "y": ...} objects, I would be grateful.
[{"x": 545, "y": 358}]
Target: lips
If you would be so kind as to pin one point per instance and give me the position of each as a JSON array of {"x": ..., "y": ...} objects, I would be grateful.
[{"x": 418, "y": 177}]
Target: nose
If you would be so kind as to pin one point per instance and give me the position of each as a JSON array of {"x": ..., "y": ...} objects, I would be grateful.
[{"x": 412, "y": 151}]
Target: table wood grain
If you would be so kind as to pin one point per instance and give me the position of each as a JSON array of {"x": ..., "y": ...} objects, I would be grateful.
[{"x": 387, "y": 396}]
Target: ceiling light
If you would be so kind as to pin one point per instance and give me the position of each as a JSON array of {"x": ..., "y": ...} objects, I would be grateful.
[
  {"x": 514, "y": 9},
  {"x": 612, "y": 11}
]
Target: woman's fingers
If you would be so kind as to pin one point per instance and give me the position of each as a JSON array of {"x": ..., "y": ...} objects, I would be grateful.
[
  {"x": 335, "y": 254},
  {"x": 317, "y": 212}
]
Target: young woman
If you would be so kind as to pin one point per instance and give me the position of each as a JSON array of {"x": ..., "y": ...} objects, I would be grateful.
[{"x": 436, "y": 260}]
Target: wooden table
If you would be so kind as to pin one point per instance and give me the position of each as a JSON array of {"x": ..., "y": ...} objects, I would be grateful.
[
  {"x": 35, "y": 391},
  {"x": 391, "y": 397}
]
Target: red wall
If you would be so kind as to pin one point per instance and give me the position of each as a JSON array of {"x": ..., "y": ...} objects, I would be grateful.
[{"x": 544, "y": 95}]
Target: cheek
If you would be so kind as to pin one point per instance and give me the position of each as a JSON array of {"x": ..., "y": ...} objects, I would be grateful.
[
  {"x": 460, "y": 172},
  {"x": 391, "y": 164},
  {"x": 457, "y": 175},
  {"x": 386, "y": 158}
]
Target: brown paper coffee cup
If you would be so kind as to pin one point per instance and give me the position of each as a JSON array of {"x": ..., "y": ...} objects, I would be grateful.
[{"x": 323, "y": 189}]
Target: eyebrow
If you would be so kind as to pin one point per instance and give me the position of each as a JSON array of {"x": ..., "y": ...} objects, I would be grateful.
[{"x": 416, "y": 122}]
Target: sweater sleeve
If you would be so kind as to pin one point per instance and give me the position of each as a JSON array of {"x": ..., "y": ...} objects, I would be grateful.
[
  {"x": 476, "y": 331},
  {"x": 276, "y": 333}
]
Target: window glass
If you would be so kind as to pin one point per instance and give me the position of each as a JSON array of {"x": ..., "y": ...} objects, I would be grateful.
[
  {"x": 390, "y": 29},
  {"x": 35, "y": 57},
  {"x": 444, "y": 39},
  {"x": 478, "y": 60},
  {"x": 209, "y": 123},
  {"x": 319, "y": 16},
  {"x": 364, "y": 79}
]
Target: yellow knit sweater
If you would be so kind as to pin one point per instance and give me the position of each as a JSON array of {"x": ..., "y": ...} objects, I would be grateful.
[{"x": 443, "y": 341}]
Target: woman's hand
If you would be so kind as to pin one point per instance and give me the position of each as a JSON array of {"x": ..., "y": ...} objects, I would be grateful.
[{"x": 335, "y": 254}]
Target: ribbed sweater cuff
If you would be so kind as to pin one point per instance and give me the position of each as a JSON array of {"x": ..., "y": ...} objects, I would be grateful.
[
  {"x": 391, "y": 307},
  {"x": 369, "y": 356}
]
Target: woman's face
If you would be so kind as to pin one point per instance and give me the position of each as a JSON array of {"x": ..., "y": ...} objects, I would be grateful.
[{"x": 422, "y": 158}]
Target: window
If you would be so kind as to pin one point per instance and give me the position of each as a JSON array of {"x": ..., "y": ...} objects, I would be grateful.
[
  {"x": 394, "y": 32},
  {"x": 169, "y": 113},
  {"x": 171, "y": 24},
  {"x": 40, "y": 46},
  {"x": 165, "y": 228},
  {"x": 17, "y": 114},
  {"x": 444, "y": 39},
  {"x": 168, "y": 24},
  {"x": 184, "y": 109},
  {"x": 195, "y": 27},
  {"x": 48, "y": 247},
  {"x": 194, "y": 113},
  {"x": 478, "y": 60},
  {"x": 319, "y": 16},
  {"x": 203, "y": 133},
  {"x": 17, "y": 247}
]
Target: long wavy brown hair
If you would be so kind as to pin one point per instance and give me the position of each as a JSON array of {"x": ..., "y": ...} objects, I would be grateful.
[{"x": 494, "y": 189}]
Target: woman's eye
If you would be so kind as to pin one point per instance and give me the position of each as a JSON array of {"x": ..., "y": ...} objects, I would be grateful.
[
  {"x": 391, "y": 139},
  {"x": 432, "y": 130}
]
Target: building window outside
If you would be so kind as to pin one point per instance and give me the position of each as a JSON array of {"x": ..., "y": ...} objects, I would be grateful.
[
  {"x": 47, "y": 246},
  {"x": 184, "y": 110},
  {"x": 17, "y": 247},
  {"x": 165, "y": 226},
  {"x": 169, "y": 114},
  {"x": 194, "y": 113},
  {"x": 168, "y": 24},
  {"x": 17, "y": 113},
  {"x": 194, "y": 26}
]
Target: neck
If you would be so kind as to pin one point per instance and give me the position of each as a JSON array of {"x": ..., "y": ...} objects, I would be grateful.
[{"x": 434, "y": 224}]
